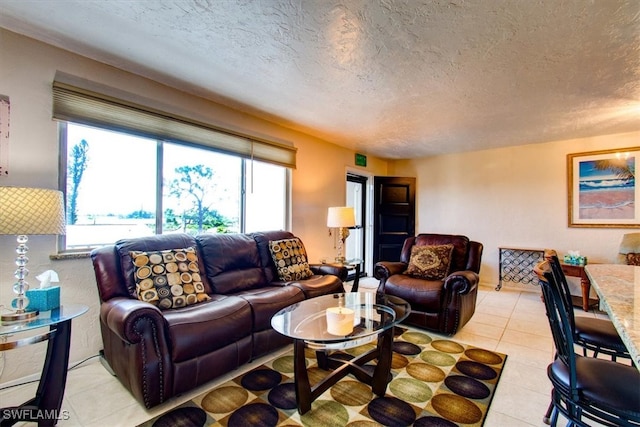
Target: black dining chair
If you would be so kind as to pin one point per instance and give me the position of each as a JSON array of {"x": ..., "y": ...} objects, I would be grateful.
[
  {"x": 585, "y": 388},
  {"x": 597, "y": 335}
]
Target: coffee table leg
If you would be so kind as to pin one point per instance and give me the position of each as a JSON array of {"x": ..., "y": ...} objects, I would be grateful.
[
  {"x": 383, "y": 367},
  {"x": 305, "y": 394},
  {"x": 323, "y": 359},
  {"x": 301, "y": 378}
]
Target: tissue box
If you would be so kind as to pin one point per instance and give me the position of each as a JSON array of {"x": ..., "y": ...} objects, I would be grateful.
[
  {"x": 43, "y": 299},
  {"x": 575, "y": 260}
]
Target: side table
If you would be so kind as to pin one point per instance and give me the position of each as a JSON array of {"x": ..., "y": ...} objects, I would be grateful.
[
  {"x": 578, "y": 271},
  {"x": 516, "y": 265},
  {"x": 44, "y": 408},
  {"x": 352, "y": 264}
]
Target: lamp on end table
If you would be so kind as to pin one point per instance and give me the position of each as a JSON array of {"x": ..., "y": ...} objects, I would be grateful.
[
  {"x": 341, "y": 217},
  {"x": 26, "y": 211}
]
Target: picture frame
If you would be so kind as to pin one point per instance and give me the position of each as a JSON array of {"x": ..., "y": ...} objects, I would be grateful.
[{"x": 602, "y": 190}]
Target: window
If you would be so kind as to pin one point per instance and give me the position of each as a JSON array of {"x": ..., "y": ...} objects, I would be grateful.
[
  {"x": 201, "y": 190},
  {"x": 266, "y": 199},
  {"x": 119, "y": 185}
]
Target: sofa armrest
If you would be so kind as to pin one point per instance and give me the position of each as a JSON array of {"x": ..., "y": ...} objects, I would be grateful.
[
  {"x": 136, "y": 347},
  {"x": 121, "y": 315},
  {"x": 337, "y": 270},
  {"x": 461, "y": 282}
]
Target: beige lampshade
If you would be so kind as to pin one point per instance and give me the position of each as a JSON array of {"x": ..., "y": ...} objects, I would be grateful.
[
  {"x": 341, "y": 216},
  {"x": 31, "y": 211}
]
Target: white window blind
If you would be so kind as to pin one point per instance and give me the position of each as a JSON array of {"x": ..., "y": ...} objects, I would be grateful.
[{"x": 86, "y": 106}]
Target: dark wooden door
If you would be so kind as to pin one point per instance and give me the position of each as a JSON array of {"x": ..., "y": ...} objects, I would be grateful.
[{"x": 394, "y": 215}]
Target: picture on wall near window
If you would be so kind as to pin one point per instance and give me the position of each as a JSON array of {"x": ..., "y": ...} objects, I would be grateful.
[{"x": 602, "y": 188}]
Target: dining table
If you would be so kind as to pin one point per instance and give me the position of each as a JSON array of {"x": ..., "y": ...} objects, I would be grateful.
[{"x": 618, "y": 287}]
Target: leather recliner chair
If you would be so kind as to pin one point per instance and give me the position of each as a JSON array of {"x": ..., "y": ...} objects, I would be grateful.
[{"x": 442, "y": 306}]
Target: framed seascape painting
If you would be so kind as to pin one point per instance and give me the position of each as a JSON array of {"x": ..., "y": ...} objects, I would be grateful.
[{"x": 602, "y": 188}]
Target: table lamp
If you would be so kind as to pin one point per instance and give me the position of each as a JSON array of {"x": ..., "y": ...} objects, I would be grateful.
[
  {"x": 28, "y": 211},
  {"x": 341, "y": 217}
]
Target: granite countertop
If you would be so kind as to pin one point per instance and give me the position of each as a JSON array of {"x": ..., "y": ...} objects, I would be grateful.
[{"x": 618, "y": 287}]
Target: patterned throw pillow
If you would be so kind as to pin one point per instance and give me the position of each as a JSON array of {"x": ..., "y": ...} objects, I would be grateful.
[
  {"x": 430, "y": 262},
  {"x": 633, "y": 259},
  {"x": 290, "y": 259},
  {"x": 168, "y": 279}
]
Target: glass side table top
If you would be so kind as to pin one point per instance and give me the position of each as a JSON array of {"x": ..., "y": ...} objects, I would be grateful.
[
  {"x": 45, "y": 318},
  {"x": 307, "y": 320},
  {"x": 346, "y": 263}
]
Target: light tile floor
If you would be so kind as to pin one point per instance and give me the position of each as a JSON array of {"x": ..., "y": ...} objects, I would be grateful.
[{"x": 510, "y": 321}]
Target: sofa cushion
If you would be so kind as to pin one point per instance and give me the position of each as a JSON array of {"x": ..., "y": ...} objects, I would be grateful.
[
  {"x": 290, "y": 258},
  {"x": 267, "y": 301},
  {"x": 633, "y": 259},
  {"x": 169, "y": 278},
  {"x": 198, "y": 330},
  {"x": 263, "y": 239},
  {"x": 425, "y": 295},
  {"x": 231, "y": 261},
  {"x": 459, "y": 257},
  {"x": 158, "y": 242},
  {"x": 430, "y": 262}
]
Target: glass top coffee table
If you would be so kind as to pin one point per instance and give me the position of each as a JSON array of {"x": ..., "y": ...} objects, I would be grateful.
[{"x": 337, "y": 322}]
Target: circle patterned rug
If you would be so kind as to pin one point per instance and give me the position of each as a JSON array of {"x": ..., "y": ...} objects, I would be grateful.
[{"x": 433, "y": 382}]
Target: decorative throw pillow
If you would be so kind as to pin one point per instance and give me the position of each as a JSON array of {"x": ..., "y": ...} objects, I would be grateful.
[
  {"x": 290, "y": 259},
  {"x": 633, "y": 259},
  {"x": 168, "y": 279},
  {"x": 430, "y": 262}
]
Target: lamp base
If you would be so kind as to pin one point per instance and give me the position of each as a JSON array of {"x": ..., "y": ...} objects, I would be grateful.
[{"x": 19, "y": 317}]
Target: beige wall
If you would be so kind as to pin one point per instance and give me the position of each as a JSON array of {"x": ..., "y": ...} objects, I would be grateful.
[
  {"x": 27, "y": 70},
  {"x": 319, "y": 182},
  {"x": 511, "y": 197}
]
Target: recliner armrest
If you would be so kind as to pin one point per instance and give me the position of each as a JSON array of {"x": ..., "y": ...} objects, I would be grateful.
[
  {"x": 385, "y": 269},
  {"x": 121, "y": 315},
  {"x": 461, "y": 282}
]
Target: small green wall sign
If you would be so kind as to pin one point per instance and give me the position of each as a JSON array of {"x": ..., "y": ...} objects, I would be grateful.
[{"x": 361, "y": 160}]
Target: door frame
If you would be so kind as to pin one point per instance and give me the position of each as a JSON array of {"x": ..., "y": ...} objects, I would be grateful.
[{"x": 367, "y": 268}]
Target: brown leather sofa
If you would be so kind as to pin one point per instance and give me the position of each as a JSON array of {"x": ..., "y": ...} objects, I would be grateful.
[
  {"x": 157, "y": 354},
  {"x": 445, "y": 305}
]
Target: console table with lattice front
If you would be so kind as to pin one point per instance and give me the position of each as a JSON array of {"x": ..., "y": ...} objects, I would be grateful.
[{"x": 516, "y": 265}]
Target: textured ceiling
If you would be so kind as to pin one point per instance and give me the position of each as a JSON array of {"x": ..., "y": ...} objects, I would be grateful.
[{"x": 397, "y": 79}]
